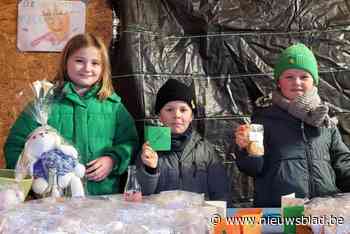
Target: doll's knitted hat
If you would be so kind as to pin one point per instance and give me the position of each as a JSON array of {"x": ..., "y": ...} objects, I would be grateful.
[
  {"x": 174, "y": 90},
  {"x": 297, "y": 56}
]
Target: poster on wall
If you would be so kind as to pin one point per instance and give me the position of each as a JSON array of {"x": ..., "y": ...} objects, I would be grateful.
[{"x": 47, "y": 25}]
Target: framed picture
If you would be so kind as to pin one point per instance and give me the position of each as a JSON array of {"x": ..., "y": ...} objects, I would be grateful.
[{"x": 46, "y": 25}]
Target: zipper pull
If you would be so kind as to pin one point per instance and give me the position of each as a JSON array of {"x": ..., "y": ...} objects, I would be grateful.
[
  {"x": 194, "y": 164},
  {"x": 303, "y": 132},
  {"x": 180, "y": 169}
]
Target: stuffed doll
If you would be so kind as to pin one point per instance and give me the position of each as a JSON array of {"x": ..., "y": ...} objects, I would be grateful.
[{"x": 45, "y": 150}]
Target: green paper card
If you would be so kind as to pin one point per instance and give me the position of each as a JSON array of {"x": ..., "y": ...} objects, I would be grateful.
[
  {"x": 292, "y": 212},
  {"x": 159, "y": 138}
]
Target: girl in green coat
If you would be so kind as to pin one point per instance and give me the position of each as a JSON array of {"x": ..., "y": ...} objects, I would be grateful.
[{"x": 88, "y": 113}]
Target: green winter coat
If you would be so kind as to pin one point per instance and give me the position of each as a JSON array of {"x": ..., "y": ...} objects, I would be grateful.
[{"x": 94, "y": 127}]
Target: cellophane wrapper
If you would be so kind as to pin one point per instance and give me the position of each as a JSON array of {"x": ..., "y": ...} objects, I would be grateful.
[
  {"x": 10, "y": 196},
  {"x": 109, "y": 214},
  {"x": 35, "y": 101},
  {"x": 331, "y": 214},
  {"x": 38, "y": 107}
]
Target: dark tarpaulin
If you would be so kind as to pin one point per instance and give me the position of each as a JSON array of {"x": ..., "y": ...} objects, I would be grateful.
[{"x": 228, "y": 48}]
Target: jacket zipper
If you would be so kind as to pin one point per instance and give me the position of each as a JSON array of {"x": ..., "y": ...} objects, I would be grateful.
[
  {"x": 180, "y": 174},
  {"x": 309, "y": 160}
]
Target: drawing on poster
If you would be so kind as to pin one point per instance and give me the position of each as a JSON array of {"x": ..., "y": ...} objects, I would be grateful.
[{"x": 46, "y": 25}]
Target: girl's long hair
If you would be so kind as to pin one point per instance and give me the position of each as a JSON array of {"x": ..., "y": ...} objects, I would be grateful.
[{"x": 83, "y": 41}]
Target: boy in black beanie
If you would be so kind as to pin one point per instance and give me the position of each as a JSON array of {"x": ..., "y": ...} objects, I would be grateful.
[
  {"x": 191, "y": 164},
  {"x": 174, "y": 90}
]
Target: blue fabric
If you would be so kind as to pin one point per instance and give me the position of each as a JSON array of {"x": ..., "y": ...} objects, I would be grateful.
[{"x": 54, "y": 159}]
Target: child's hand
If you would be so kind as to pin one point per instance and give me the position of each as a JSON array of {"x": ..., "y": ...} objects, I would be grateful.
[
  {"x": 149, "y": 156},
  {"x": 242, "y": 136},
  {"x": 99, "y": 168}
]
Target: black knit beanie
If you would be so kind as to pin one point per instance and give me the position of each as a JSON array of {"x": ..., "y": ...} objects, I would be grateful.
[{"x": 174, "y": 90}]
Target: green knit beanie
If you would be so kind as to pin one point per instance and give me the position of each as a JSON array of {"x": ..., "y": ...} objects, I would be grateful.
[{"x": 297, "y": 56}]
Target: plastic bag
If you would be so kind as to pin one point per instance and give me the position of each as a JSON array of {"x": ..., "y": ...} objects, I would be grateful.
[
  {"x": 88, "y": 215},
  {"x": 332, "y": 214},
  {"x": 178, "y": 199},
  {"x": 10, "y": 195},
  {"x": 36, "y": 102},
  {"x": 46, "y": 152}
]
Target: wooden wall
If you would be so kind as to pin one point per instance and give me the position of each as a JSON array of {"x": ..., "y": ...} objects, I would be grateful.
[{"x": 18, "y": 68}]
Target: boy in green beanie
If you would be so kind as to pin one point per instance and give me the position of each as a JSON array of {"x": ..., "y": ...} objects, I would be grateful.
[
  {"x": 304, "y": 152},
  {"x": 296, "y": 73},
  {"x": 297, "y": 56}
]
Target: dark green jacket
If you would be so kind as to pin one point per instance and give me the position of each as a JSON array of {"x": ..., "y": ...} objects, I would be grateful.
[
  {"x": 94, "y": 127},
  {"x": 299, "y": 158},
  {"x": 199, "y": 170}
]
